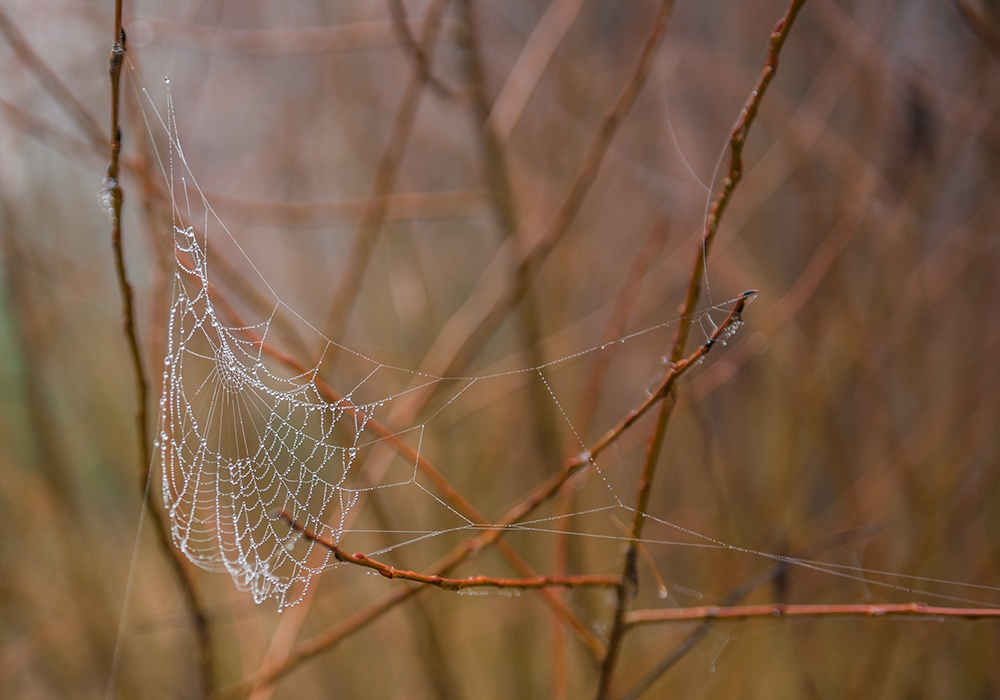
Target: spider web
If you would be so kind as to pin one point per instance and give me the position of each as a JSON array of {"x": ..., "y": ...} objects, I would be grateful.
[
  {"x": 245, "y": 444},
  {"x": 239, "y": 443},
  {"x": 248, "y": 438}
]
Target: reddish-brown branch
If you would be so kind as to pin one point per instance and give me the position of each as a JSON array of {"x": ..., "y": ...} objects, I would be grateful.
[
  {"x": 523, "y": 508},
  {"x": 444, "y": 487},
  {"x": 773, "y": 610},
  {"x": 111, "y": 197},
  {"x": 737, "y": 141},
  {"x": 450, "y": 584}
]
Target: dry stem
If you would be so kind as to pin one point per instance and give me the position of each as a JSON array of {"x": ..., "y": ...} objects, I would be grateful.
[
  {"x": 772, "y": 610},
  {"x": 737, "y": 141},
  {"x": 112, "y": 197},
  {"x": 448, "y": 584}
]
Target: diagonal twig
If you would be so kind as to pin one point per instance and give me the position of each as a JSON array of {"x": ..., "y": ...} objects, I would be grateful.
[{"x": 326, "y": 640}]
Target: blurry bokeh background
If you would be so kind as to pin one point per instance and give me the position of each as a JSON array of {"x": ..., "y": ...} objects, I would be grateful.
[{"x": 862, "y": 391}]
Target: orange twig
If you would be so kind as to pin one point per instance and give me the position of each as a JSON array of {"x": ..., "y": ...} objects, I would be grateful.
[
  {"x": 772, "y": 610},
  {"x": 112, "y": 198},
  {"x": 541, "y": 494},
  {"x": 449, "y": 584},
  {"x": 737, "y": 141}
]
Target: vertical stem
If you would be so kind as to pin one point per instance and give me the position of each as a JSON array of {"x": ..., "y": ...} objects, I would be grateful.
[
  {"x": 112, "y": 198},
  {"x": 737, "y": 140}
]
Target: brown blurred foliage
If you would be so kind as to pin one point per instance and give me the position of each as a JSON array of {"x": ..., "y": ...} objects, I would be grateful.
[{"x": 863, "y": 389}]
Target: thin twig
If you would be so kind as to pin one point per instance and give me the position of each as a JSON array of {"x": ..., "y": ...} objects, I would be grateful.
[
  {"x": 449, "y": 584},
  {"x": 779, "y": 569},
  {"x": 112, "y": 198},
  {"x": 773, "y": 610},
  {"x": 541, "y": 494},
  {"x": 737, "y": 141}
]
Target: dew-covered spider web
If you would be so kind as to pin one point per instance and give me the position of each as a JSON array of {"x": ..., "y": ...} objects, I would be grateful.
[
  {"x": 249, "y": 439},
  {"x": 251, "y": 436}
]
